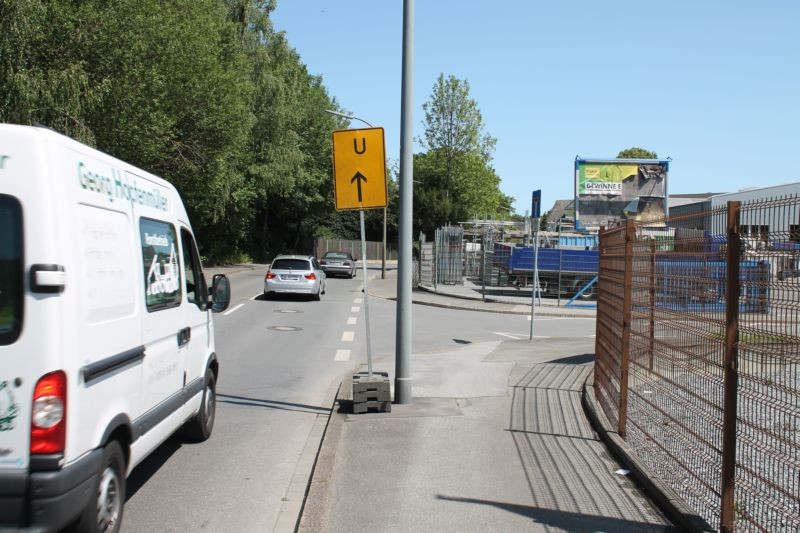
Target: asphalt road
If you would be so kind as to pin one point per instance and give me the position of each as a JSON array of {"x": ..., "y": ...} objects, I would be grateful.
[
  {"x": 274, "y": 385},
  {"x": 280, "y": 362}
]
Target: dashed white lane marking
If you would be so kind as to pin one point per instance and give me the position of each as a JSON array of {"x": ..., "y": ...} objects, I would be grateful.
[
  {"x": 342, "y": 355},
  {"x": 507, "y": 335},
  {"x": 357, "y": 300},
  {"x": 351, "y": 320},
  {"x": 229, "y": 311},
  {"x": 518, "y": 336},
  {"x": 563, "y": 318},
  {"x": 355, "y": 309},
  {"x": 348, "y": 336}
]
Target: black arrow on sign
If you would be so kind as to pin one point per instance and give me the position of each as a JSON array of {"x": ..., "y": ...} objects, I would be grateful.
[{"x": 357, "y": 178}]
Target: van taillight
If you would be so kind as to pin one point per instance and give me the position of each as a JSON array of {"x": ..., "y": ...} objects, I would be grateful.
[{"x": 49, "y": 414}]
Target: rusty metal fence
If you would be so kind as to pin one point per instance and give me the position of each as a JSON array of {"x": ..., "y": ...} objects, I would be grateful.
[{"x": 698, "y": 359}]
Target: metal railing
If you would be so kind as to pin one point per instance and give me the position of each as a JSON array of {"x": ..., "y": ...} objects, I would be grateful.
[{"x": 698, "y": 359}]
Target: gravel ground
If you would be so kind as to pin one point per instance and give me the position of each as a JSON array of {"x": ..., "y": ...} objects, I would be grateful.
[{"x": 675, "y": 425}]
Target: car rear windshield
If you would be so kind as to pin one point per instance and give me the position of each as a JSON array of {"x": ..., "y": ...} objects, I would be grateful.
[
  {"x": 290, "y": 264},
  {"x": 336, "y": 255},
  {"x": 11, "y": 268}
]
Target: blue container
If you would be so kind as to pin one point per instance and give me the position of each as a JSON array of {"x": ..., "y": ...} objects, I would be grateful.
[{"x": 587, "y": 242}]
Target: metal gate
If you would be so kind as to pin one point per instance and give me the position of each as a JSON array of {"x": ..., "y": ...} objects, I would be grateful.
[
  {"x": 450, "y": 255},
  {"x": 426, "y": 264}
]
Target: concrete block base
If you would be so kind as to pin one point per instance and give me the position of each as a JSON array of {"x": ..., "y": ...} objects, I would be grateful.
[{"x": 371, "y": 394}]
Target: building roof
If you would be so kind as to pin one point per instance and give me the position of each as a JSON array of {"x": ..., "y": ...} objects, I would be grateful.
[{"x": 677, "y": 200}]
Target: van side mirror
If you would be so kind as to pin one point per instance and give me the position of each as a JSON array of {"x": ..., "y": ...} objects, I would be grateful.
[{"x": 220, "y": 293}]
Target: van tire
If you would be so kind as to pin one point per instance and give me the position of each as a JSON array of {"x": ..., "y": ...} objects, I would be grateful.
[
  {"x": 200, "y": 426},
  {"x": 110, "y": 486}
]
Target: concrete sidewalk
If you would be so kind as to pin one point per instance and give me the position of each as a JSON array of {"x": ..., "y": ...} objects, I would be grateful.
[{"x": 495, "y": 440}]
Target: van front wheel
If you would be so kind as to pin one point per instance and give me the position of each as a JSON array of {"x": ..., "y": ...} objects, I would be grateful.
[{"x": 199, "y": 427}]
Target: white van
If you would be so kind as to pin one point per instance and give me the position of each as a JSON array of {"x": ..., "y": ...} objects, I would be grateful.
[{"x": 106, "y": 335}]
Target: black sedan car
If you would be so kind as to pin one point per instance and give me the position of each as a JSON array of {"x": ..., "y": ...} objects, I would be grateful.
[{"x": 342, "y": 263}]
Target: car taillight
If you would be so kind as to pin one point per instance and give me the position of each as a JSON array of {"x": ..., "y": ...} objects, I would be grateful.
[
  {"x": 49, "y": 414},
  {"x": 323, "y": 262},
  {"x": 311, "y": 276},
  {"x": 347, "y": 263},
  {"x": 270, "y": 275}
]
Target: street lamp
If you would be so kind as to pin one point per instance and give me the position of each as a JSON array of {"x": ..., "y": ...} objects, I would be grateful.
[
  {"x": 349, "y": 117},
  {"x": 383, "y": 255}
]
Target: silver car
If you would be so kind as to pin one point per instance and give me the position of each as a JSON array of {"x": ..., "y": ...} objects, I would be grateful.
[
  {"x": 294, "y": 274},
  {"x": 338, "y": 263}
]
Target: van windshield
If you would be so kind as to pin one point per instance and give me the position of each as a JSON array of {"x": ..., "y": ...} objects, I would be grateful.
[{"x": 11, "y": 289}]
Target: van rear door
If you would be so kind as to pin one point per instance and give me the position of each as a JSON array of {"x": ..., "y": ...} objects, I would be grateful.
[
  {"x": 13, "y": 405},
  {"x": 27, "y": 237}
]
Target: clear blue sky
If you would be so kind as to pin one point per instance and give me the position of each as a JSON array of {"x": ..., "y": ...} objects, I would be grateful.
[{"x": 715, "y": 85}]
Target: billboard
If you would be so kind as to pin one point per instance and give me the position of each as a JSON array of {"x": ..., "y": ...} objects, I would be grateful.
[
  {"x": 609, "y": 191},
  {"x": 595, "y": 179}
]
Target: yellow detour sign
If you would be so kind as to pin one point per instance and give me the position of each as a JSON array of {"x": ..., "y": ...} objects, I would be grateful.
[{"x": 359, "y": 169}]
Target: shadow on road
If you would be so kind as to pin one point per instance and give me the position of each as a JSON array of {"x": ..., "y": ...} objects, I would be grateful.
[
  {"x": 270, "y": 404},
  {"x": 284, "y": 298},
  {"x": 145, "y": 470},
  {"x": 565, "y": 520},
  {"x": 575, "y": 359}
]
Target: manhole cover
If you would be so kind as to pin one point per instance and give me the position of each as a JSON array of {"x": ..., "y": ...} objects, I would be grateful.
[
  {"x": 288, "y": 311},
  {"x": 284, "y": 328}
]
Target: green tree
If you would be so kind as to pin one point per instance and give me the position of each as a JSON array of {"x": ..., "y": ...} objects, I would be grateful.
[
  {"x": 42, "y": 76},
  {"x": 454, "y": 125},
  {"x": 203, "y": 93},
  {"x": 635, "y": 152},
  {"x": 454, "y": 177}
]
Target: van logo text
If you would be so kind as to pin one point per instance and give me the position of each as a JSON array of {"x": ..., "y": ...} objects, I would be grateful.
[{"x": 119, "y": 187}]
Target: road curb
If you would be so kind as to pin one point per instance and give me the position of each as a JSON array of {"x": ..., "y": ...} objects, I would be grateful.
[
  {"x": 443, "y": 305},
  {"x": 291, "y": 511},
  {"x": 667, "y": 500},
  {"x": 318, "y": 487},
  {"x": 541, "y": 311}
]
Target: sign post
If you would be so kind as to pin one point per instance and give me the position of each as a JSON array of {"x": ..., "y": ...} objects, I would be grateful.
[
  {"x": 359, "y": 182},
  {"x": 536, "y": 208}
]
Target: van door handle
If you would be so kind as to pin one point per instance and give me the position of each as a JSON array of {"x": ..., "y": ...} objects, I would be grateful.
[{"x": 184, "y": 336}]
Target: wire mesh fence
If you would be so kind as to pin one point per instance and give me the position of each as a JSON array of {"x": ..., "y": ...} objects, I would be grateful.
[
  {"x": 563, "y": 272},
  {"x": 698, "y": 360},
  {"x": 567, "y": 264}
]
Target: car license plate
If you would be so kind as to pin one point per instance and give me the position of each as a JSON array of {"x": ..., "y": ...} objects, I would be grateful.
[{"x": 290, "y": 278}]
